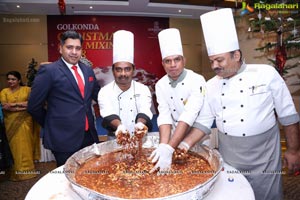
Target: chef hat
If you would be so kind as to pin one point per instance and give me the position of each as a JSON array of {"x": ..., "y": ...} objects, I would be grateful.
[
  {"x": 170, "y": 42},
  {"x": 123, "y": 46},
  {"x": 219, "y": 31}
]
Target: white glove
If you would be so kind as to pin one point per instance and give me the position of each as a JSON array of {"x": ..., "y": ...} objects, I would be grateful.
[
  {"x": 97, "y": 152},
  {"x": 183, "y": 145},
  {"x": 163, "y": 156},
  {"x": 121, "y": 128},
  {"x": 139, "y": 126}
]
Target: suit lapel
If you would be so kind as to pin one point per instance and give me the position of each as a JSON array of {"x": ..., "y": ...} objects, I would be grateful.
[{"x": 64, "y": 68}]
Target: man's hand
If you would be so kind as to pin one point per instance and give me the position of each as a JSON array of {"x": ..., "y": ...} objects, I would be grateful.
[
  {"x": 181, "y": 153},
  {"x": 162, "y": 155},
  {"x": 121, "y": 129},
  {"x": 184, "y": 146},
  {"x": 140, "y": 130},
  {"x": 292, "y": 162},
  {"x": 139, "y": 126}
]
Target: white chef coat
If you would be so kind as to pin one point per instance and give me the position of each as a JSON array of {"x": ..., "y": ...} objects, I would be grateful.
[
  {"x": 244, "y": 104},
  {"x": 180, "y": 103},
  {"x": 113, "y": 101}
]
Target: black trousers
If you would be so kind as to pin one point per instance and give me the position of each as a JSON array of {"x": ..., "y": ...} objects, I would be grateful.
[{"x": 62, "y": 157}]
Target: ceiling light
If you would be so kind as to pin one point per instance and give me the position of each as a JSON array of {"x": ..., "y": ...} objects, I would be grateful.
[
  {"x": 179, "y": 11},
  {"x": 18, "y": 6},
  {"x": 91, "y": 7}
]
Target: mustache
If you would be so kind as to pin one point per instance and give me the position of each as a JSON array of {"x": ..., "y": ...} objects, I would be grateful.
[
  {"x": 218, "y": 69},
  {"x": 123, "y": 77}
]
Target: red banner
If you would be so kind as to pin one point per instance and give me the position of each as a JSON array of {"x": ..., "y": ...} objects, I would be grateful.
[{"x": 97, "y": 32}]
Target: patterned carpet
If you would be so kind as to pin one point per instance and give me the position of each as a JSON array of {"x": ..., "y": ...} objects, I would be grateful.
[
  {"x": 18, "y": 190},
  {"x": 291, "y": 187}
]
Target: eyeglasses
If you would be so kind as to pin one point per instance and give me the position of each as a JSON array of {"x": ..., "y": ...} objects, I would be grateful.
[{"x": 175, "y": 60}]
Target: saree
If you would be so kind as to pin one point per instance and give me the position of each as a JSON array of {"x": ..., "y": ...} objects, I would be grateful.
[{"x": 23, "y": 135}]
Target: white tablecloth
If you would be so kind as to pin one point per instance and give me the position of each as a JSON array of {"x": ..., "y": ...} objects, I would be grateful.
[{"x": 55, "y": 185}]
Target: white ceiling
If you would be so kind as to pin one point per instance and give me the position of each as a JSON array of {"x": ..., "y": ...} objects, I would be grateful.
[{"x": 100, "y": 7}]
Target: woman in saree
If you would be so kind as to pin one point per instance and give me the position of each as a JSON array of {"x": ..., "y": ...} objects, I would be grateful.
[{"x": 22, "y": 132}]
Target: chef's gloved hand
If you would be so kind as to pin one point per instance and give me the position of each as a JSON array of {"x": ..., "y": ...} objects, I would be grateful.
[
  {"x": 184, "y": 146},
  {"x": 140, "y": 129},
  {"x": 121, "y": 129},
  {"x": 162, "y": 155},
  {"x": 181, "y": 153},
  {"x": 139, "y": 126}
]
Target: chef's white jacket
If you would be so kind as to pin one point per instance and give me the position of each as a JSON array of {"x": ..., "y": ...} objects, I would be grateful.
[
  {"x": 113, "y": 101},
  {"x": 180, "y": 103},
  {"x": 244, "y": 104}
]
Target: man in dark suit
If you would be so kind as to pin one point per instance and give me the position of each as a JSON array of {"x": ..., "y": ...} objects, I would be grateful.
[{"x": 60, "y": 100}]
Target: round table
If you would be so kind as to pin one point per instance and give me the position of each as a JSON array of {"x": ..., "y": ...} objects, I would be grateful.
[{"x": 54, "y": 185}]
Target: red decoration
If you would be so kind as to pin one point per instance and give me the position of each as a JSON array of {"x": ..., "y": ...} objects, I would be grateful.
[
  {"x": 62, "y": 7},
  {"x": 280, "y": 58},
  {"x": 280, "y": 53}
]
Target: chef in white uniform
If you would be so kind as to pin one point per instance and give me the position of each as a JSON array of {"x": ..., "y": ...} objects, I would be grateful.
[
  {"x": 124, "y": 104},
  {"x": 246, "y": 101},
  {"x": 180, "y": 95}
]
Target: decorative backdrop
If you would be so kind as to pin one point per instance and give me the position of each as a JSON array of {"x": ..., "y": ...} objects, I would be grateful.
[{"x": 97, "y": 32}]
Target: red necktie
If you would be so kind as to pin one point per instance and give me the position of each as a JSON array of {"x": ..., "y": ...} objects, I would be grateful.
[
  {"x": 81, "y": 88},
  {"x": 79, "y": 80}
]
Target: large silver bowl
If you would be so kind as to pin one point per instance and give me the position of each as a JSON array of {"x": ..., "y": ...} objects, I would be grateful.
[{"x": 150, "y": 141}]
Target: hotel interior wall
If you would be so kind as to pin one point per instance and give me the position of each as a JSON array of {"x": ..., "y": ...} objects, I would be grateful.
[{"x": 21, "y": 41}]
